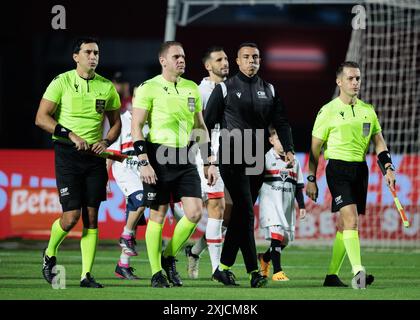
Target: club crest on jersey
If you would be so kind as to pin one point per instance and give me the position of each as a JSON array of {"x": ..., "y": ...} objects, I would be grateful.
[
  {"x": 366, "y": 129},
  {"x": 191, "y": 104},
  {"x": 100, "y": 105},
  {"x": 238, "y": 94},
  {"x": 284, "y": 175}
]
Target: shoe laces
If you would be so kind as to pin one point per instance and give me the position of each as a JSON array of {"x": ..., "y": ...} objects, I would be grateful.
[
  {"x": 172, "y": 265},
  {"x": 131, "y": 242}
]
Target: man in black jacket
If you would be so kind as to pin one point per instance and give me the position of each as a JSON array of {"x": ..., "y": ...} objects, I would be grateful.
[{"x": 245, "y": 106}]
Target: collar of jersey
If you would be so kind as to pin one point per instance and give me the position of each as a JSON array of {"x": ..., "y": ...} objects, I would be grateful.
[
  {"x": 277, "y": 156},
  {"x": 81, "y": 78},
  {"x": 163, "y": 80},
  {"x": 342, "y": 103},
  {"x": 244, "y": 78}
]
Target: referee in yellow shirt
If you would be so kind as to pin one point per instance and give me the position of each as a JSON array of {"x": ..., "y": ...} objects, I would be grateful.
[
  {"x": 344, "y": 128},
  {"x": 172, "y": 106},
  {"x": 72, "y": 110}
]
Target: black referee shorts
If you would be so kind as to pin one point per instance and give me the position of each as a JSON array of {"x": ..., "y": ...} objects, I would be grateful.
[
  {"x": 81, "y": 178},
  {"x": 176, "y": 179},
  {"x": 348, "y": 184}
]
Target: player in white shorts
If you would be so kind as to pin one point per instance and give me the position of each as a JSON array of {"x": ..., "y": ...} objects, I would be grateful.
[
  {"x": 277, "y": 206},
  {"x": 218, "y": 209},
  {"x": 127, "y": 176}
]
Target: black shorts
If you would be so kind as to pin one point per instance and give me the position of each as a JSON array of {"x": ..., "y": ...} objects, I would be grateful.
[
  {"x": 81, "y": 178},
  {"x": 174, "y": 180},
  {"x": 348, "y": 184}
]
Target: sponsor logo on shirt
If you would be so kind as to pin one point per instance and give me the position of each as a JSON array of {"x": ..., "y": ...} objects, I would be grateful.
[
  {"x": 261, "y": 95},
  {"x": 280, "y": 188}
]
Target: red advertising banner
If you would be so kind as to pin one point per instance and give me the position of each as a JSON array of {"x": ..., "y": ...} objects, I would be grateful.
[{"x": 29, "y": 202}]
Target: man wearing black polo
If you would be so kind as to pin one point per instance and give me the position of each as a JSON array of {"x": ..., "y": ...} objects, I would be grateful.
[{"x": 245, "y": 106}]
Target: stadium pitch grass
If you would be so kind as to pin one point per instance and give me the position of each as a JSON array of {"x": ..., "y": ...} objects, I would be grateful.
[{"x": 396, "y": 276}]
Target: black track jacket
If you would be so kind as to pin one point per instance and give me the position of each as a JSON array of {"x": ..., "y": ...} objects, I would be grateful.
[{"x": 243, "y": 103}]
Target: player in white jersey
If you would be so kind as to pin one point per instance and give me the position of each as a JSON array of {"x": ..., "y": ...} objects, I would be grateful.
[
  {"x": 277, "y": 206},
  {"x": 218, "y": 208},
  {"x": 127, "y": 176}
]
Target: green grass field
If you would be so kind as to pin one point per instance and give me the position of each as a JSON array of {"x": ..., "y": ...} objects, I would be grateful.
[{"x": 397, "y": 276}]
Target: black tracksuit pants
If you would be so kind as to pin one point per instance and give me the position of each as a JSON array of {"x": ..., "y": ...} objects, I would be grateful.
[{"x": 243, "y": 190}]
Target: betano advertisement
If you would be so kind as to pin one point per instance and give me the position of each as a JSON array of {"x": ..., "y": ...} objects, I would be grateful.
[{"x": 29, "y": 202}]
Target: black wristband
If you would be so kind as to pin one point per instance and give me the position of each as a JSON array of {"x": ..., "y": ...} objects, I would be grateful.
[
  {"x": 61, "y": 131},
  {"x": 140, "y": 147},
  {"x": 383, "y": 158}
]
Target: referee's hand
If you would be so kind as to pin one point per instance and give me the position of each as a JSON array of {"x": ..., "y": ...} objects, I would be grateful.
[
  {"x": 80, "y": 144},
  {"x": 148, "y": 175},
  {"x": 312, "y": 190}
]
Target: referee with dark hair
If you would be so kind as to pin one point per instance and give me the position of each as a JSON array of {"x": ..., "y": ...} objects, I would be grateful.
[
  {"x": 72, "y": 109},
  {"x": 344, "y": 127},
  {"x": 245, "y": 105}
]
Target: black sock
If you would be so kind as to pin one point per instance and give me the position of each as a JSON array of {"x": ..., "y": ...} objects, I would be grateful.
[
  {"x": 275, "y": 251},
  {"x": 267, "y": 255}
]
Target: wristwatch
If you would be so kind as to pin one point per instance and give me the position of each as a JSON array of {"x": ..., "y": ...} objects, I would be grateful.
[
  {"x": 311, "y": 178},
  {"x": 107, "y": 142},
  {"x": 144, "y": 163},
  {"x": 390, "y": 167}
]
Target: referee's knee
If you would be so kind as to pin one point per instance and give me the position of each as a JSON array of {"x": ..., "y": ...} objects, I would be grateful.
[{"x": 194, "y": 216}]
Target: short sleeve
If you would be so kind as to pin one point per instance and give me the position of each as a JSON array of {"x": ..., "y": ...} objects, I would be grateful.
[
  {"x": 376, "y": 128},
  {"x": 321, "y": 128},
  {"x": 299, "y": 173},
  {"x": 144, "y": 97},
  {"x": 113, "y": 102},
  {"x": 54, "y": 91},
  {"x": 198, "y": 101}
]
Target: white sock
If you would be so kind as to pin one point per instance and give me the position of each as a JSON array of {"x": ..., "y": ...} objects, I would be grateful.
[
  {"x": 214, "y": 241},
  {"x": 128, "y": 232},
  {"x": 199, "y": 246},
  {"x": 124, "y": 259}
]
